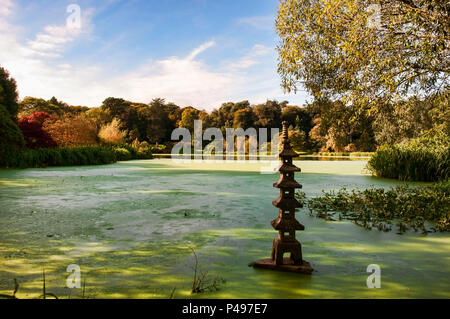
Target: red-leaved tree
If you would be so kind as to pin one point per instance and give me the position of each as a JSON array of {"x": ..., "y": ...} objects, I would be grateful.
[{"x": 34, "y": 134}]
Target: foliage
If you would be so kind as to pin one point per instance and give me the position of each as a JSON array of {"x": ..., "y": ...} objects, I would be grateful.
[
  {"x": 336, "y": 50},
  {"x": 73, "y": 156},
  {"x": 423, "y": 159},
  {"x": 157, "y": 120},
  {"x": 111, "y": 133},
  {"x": 39, "y": 117},
  {"x": 71, "y": 131},
  {"x": 317, "y": 140},
  {"x": 299, "y": 118},
  {"x": 423, "y": 208},
  {"x": 323, "y": 125},
  {"x": 268, "y": 114},
  {"x": 408, "y": 119},
  {"x": 341, "y": 128},
  {"x": 122, "y": 154},
  {"x": 34, "y": 134},
  {"x": 297, "y": 138},
  {"x": 143, "y": 149},
  {"x": 8, "y": 92},
  {"x": 11, "y": 137},
  {"x": 86, "y": 155},
  {"x": 30, "y": 105},
  {"x": 158, "y": 147},
  {"x": 137, "y": 150},
  {"x": 188, "y": 116},
  {"x": 244, "y": 118}
]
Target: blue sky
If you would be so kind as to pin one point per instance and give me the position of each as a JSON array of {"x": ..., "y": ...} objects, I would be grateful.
[{"x": 191, "y": 52}]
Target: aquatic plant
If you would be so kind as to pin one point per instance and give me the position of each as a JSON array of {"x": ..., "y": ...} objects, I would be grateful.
[
  {"x": 45, "y": 294},
  {"x": 423, "y": 208},
  {"x": 202, "y": 281},
  {"x": 13, "y": 295}
]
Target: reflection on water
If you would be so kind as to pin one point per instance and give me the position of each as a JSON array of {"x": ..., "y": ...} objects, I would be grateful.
[{"x": 261, "y": 157}]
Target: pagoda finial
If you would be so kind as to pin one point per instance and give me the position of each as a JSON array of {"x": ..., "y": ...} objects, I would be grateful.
[
  {"x": 285, "y": 143},
  {"x": 285, "y": 132}
]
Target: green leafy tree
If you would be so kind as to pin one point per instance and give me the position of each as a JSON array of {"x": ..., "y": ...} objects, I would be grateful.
[
  {"x": 364, "y": 51},
  {"x": 297, "y": 117},
  {"x": 409, "y": 119},
  {"x": 11, "y": 137},
  {"x": 243, "y": 118},
  {"x": 122, "y": 110},
  {"x": 157, "y": 119},
  {"x": 188, "y": 117},
  {"x": 340, "y": 128},
  {"x": 174, "y": 118},
  {"x": 268, "y": 114},
  {"x": 298, "y": 139},
  {"x": 8, "y": 92},
  {"x": 30, "y": 105}
]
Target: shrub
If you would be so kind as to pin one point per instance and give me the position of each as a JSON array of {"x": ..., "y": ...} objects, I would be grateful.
[
  {"x": 143, "y": 149},
  {"x": 65, "y": 156},
  {"x": 423, "y": 159},
  {"x": 122, "y": 154},
  {"x": 111, "y": 133},
  {"x": 137, "y": 150},
  {"x": 86, "y": 155}
]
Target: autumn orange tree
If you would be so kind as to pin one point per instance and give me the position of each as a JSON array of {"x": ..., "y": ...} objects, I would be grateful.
[{"x": 71, "y": 131}]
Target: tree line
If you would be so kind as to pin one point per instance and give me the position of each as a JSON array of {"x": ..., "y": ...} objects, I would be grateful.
[{"x": 322, "y": 125}]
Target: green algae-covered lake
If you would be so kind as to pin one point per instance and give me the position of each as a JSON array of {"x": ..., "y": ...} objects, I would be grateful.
[{"x": 131, "y": 226}]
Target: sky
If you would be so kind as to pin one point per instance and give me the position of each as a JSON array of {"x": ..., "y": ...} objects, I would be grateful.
[{"x": 198, "y": 53}]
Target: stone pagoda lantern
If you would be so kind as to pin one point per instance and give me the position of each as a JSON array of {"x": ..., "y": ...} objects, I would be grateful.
[{"x": 286, "y": 224}]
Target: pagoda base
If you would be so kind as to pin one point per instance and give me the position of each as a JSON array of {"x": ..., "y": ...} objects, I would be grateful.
[{"x": 288, "y": 265}]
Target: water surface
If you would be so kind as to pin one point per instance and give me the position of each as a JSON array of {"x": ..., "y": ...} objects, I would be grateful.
[{"x": 131, "y": 226}]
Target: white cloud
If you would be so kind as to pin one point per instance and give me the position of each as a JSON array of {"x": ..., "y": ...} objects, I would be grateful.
[
  {"x": 200, "y": 49},
  {"x": 252, "y": 58},
  {"x": 183, "y": 81},
  {"x": 5, "y": 7},
  {"x": 260, "y": 22},
  {"x": 41, "y": 71},
  {"x": 52, "y": 40}
]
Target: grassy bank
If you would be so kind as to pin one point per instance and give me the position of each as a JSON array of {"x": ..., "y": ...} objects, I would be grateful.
[{"x": 85, "y": 155}]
